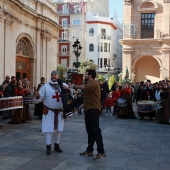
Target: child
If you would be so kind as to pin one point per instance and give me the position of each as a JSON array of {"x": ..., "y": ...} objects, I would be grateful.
[
  {"x": 108, "y": 103},
  {"x": 115, "y": 97}
]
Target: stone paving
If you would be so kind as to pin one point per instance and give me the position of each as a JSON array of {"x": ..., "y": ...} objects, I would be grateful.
[{"x": 129, "y": 144}]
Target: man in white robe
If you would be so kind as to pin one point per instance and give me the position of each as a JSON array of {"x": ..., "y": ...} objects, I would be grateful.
[{"x": 50, "y": 95}]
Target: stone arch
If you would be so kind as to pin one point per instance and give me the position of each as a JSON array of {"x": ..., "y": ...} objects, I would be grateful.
[
  {"x": 148, "y": 5},
  {"x": 25, "y": 59},
  {"x": 29, "y": 41},
  {"x": 146, "y": 67}
]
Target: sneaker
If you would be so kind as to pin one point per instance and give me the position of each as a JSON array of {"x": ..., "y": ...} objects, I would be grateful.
[
  {"x": 86, "y": 153},
  {"x": 106, "y": 114},
  {"x": 100, "y": 155}
]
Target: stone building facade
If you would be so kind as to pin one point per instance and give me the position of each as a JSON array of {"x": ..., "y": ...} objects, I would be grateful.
[
  {"x": 29, "y": 34},
  {"x": 72, "y": 18},
  {"x": 146, "y": 39}
]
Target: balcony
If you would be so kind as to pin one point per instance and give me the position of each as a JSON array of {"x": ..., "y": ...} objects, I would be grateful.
[
  {"x": 63, "y": 12},
  {"x": 61, "y": 53},
  {"x": 65, "y": 26},
  {"x": 78, "y": 11},
  {"x": 63, "y": 40},
  {"x": 106, "y": 37},
  {"x": 144, "y": 35}
]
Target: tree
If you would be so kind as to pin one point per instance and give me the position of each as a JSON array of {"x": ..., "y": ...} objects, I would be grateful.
[
  {"x": 101, "y": 78},
  {"x": 111, "y": 81},
  {"x": 62, "y": 70},
  {"x": 87, "y": 65}
]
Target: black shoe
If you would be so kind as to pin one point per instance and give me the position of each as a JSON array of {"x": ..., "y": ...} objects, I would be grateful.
[
  {"x": 99, "y": 156},
  {"x": 48, "y": 151},
  {"x": 57, "y": 148}
]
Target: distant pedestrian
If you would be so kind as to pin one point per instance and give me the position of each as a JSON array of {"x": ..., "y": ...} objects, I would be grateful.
[{"x": 108, "y": 103}]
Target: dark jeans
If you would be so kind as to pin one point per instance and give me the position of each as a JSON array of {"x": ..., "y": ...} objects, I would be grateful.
[{"x": 93, "y": 130}]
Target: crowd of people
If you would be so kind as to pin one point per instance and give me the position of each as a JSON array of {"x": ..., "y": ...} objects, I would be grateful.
[
  {"x": 155, "y": 93},
  {"x": 56, "y": 100},
  {"x": 15, "y": 88}
]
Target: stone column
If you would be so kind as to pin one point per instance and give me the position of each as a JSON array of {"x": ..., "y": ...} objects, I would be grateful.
[
  {"x": 127, "y": 61},
  {"x": 166, "y": 18},
  {"x": 164, "y": 70},
  {"x": 2, "y": 50}
]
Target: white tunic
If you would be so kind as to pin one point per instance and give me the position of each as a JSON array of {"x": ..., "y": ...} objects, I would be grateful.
[{"x": 52, "y": 99}]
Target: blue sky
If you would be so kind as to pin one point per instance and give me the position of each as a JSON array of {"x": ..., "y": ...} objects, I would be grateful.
[{"x": 116, "y": 5}]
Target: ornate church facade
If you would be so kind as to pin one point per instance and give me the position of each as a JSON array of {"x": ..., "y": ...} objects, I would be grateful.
[
  {"x": 28, "y": 46},
  {"x": 146, "y": 39}
]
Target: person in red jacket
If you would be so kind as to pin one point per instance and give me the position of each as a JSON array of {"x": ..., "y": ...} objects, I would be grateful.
[
  {"x": 20, "y": 115},
  {"x": 108, "y": 103},
  {"x": 115, "y": 97}
]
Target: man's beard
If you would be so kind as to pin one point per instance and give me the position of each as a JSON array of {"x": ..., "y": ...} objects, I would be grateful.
[
  {"x": 54, "y": 80},
  {"x": 86, "y": 79}
]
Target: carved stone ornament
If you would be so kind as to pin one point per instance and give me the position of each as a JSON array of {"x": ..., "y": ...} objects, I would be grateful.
[{"x": 128, "y": 2}]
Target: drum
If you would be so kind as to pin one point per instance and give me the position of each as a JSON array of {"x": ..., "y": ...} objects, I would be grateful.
[
  {"x": 9, "y": 103},
  {"x": 122, "y": 102},
  {"x": 158, "y": 105},
  {"x": 30, "y": 100},
  {"x": 146, "y": 106}
]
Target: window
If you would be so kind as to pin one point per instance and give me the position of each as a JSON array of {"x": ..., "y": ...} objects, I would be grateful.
[
  {"x": 65, "y": 9},
  {"x": 101, "y": 63},
  {"x": 147, "y": 25},
  {"x": 98, "y": 47},
  {"x": 64, "y": 36},
  {"x": 76, "y": 22},
  {"x": 64, "y": 23},
  {"x": 22, "y": 48},
  {"x": 101, "y": 47},
  {"x": 109, "y": 48},
  {"x": 103, "y": 33},
  {"x": 105, "y": 47},
  {"x": 91, "y": 47},
  {"x": 91, "y": 32},
  {"x": 64, "y": 62},
  {"x": 64, "y": 49},
  {"x": 105, "y": 61}
]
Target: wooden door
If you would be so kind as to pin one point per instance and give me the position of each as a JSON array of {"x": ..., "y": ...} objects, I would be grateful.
[{"x": 22, "y": 67}]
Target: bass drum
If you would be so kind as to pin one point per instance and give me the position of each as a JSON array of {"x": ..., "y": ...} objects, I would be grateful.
[{"x": 9, "y": 103}]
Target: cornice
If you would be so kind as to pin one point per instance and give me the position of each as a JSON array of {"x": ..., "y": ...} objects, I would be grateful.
[
  {"x": 29, "y": 12},
  {"x": 102, "y": 22},
  {"x": 141, "y": 41}
]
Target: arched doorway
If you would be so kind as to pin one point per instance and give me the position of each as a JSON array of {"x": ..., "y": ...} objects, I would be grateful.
[
  {"x": 147, "y": 67},
  {"x": 23, "y": 53}
]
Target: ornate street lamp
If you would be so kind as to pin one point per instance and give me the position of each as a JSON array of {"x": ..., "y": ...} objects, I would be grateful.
[{"x": 77, "y": 51}]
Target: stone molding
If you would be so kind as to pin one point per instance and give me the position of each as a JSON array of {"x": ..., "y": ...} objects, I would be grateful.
[
  {"x": 166, "y": 1},
  {"x": 46, "y": 34}
]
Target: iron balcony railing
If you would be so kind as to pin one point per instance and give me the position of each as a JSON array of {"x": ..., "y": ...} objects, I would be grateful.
[
  {"x": 63, "y": 40},
  {"x": 61, "y": 53},
  {"x": 145, "y": 34},
  {"x": 78, "y": 11},
  {"x": 65, "y": 25},
  {"x": 107, "y": 37}
]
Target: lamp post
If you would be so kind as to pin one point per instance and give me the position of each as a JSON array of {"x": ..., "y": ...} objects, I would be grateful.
[{"x": 77, "y": 51}]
